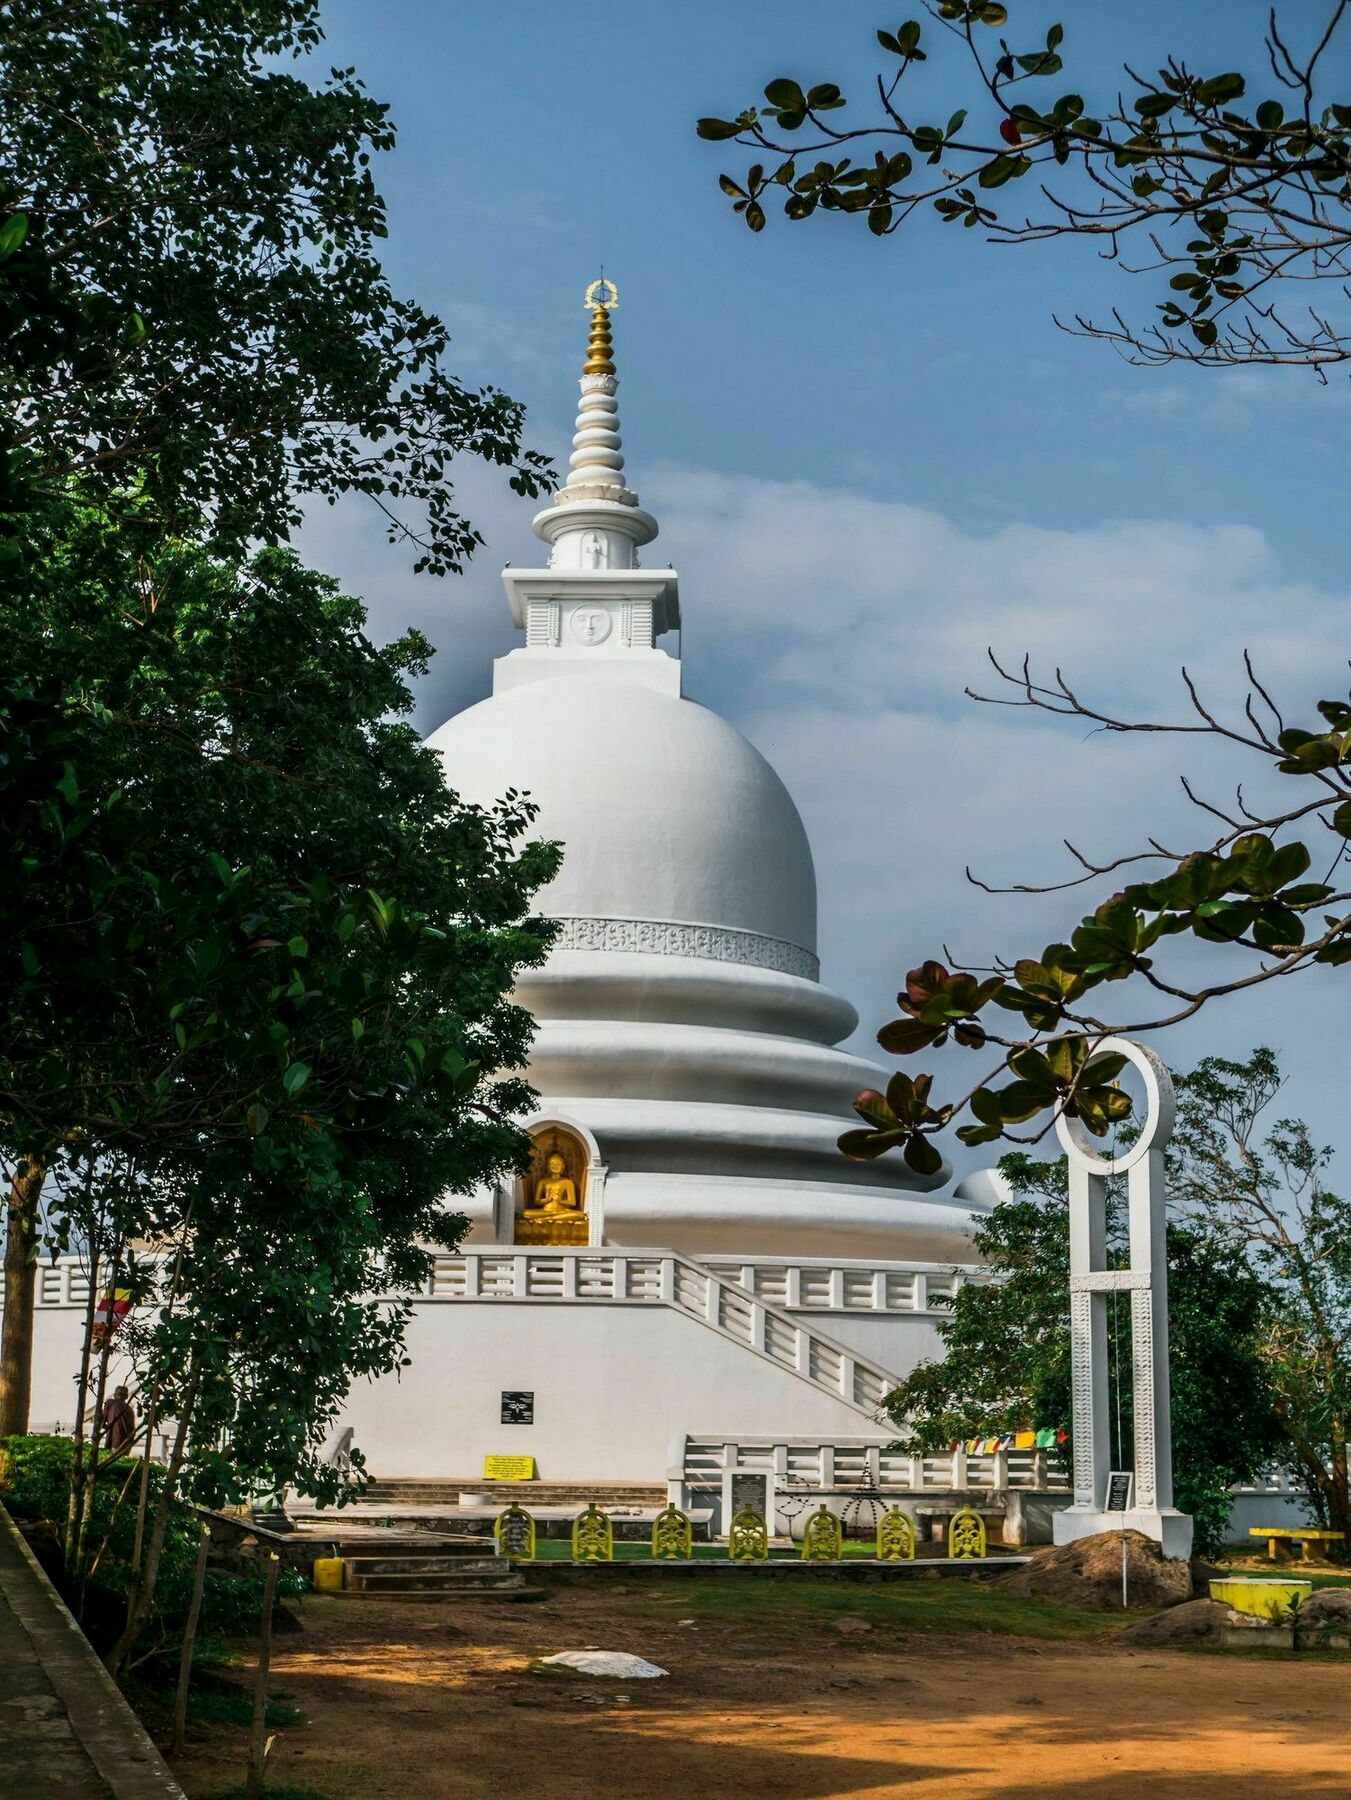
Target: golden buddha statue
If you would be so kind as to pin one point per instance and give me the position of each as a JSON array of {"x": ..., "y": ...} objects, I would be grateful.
[
  {"x": 554, "y": 1211},
  {"x": 555, "y": 1191}
]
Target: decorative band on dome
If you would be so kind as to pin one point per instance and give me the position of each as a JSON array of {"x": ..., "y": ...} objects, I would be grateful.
[{"x": 666, "y": 937}]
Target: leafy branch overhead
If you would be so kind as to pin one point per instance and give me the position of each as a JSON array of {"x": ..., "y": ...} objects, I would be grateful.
[
  {"x": 1255, "y": 890},
  {"x": 1225, "y": 192},
  {"x": 201, "y": 297}
]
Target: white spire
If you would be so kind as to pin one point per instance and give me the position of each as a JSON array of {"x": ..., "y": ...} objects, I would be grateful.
[
  {"x": 597, "y": 461},
  {"x": 594, "y": 611},
  {"x": 595, "y": 522}
]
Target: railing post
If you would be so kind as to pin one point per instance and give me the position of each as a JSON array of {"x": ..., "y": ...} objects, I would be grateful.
[
  {"x": 711, "y": 1297},
  {"x": 879, "y": 1290},
  {"x": 520, "y": 1276},
  {"x": 1039, "y": 1470},
  {"x": 757, "y": 1326},
  {"x": 826, "y": 1466},
  {"x": 919, "y": 1295},
  {"x": 667, "y": 1280},
  {"x": 917, "y": 1474},
  {"x": 793, "y": 1287},
  {"x": 1000, "y": 1472},
  {"x": 837, "y": 1289},
  {"x": 847, "y": 1377},
  {"x": 619, "y": 1277},
  {"x": 959, "y": 1467},
  {"x": 802, "y": 1351},
  {"x": 569, "y": 1277}
]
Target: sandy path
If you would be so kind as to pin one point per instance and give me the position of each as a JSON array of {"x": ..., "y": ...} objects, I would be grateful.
[{"x": 409, "y": 1702}]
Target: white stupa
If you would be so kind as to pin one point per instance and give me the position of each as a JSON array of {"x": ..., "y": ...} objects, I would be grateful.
[
  {"x": 691, "y": 1286},
  {"x": 683, "y": 1032}
]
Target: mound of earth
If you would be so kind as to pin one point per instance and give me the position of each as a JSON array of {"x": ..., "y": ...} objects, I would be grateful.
[
  {"x": 1194, "y": 1622},
  {"x": 1328, "y": 1606},
  {"x": 1088, "y": 1574}
]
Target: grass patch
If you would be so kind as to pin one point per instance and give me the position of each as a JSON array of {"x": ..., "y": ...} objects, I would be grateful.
[
  {"x": 274, "y": 1792},
  {"x": 235, "y": 1707},
  {"x": 216, "y": 1653},
  {"x": 1320, "y": 1578},
  {"x": 944, "y": 1605}
]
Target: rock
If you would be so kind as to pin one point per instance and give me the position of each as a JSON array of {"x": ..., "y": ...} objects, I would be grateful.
[
  {"x": 848, "y": 1624},
  {"x": 1327, "y": 1606},
  {"x": 1194, "y": 1622},
  {"x": 617, "y": 1663},
  {"x": 1087, "y": 1574}
]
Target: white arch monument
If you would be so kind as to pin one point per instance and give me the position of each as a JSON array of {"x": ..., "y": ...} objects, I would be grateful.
[{"x": 1146, "y": 1281}]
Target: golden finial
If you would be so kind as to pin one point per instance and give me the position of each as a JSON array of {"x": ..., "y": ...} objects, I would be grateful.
[{"x": 600, "y": 297}]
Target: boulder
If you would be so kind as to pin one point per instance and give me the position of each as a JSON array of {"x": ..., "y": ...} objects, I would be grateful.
[
  {"x": 1087, "y": 1574},
  {"x": 1194, "y": 1622}
]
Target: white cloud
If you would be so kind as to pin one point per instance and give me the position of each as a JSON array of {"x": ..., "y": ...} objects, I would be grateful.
[{"x": 840, "y": 632}]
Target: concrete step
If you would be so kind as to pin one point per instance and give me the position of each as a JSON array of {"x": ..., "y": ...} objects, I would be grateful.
[
  {"x": 438, "y": 1582},
  {"x": 414, "y": 1491},
  {"x": 466, "y": 1566}
]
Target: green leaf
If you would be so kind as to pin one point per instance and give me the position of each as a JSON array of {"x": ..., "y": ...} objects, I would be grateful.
[
  {"x": 12, "y": 233},
  {"x": 295, "y": 1077},
  {"x": 256, "y": 1119},
  {"x": 1002, "y": 169},
  {"x": 1221, "y": 88},
  {"x": 922, "y": 1155},
  {"x": 715, "y": 130},
  {"x": 785, "y": 93},
  {"x": 1270, "y": 115}
]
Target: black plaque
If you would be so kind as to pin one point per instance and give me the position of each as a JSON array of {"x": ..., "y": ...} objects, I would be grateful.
[
  {"x": 1119, "y": 1485},
  {"x": 518, "y": 1409}
]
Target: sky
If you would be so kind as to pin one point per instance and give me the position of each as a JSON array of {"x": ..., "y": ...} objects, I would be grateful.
[{"x": 870, "y": 460}]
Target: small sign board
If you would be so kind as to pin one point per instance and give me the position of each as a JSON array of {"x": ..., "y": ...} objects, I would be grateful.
[
  {"x": 518, "y": 1408},
  {"x": 508, "y": 1468},
  {"x": 1120, "y": 1487}
]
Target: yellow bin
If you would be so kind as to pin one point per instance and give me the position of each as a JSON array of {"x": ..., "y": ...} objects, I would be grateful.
[
  {"x": 1260, "y": 1596},
  {"x": 330, "y": 1575}
]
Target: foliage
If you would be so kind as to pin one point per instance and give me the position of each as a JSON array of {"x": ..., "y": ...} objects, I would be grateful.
[
  {"x": 1231, "y": 192},
  {"x": 1006, "y": 1362},
  {"x": 34, "y": 1487},
  {"x": 199, "y": 311},
  {"x": 1264, "y": 1193},
  {"x": 277, "y": 968},
  {"x": 1248, "y": 892}
]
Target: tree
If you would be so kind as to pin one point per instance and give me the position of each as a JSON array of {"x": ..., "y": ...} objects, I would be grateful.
[
  {"x": 1263, "y": 1194},
  {"x": 1006, "y": 1342},
  {"x": 257, "y": 965},
  {"x": 204, "y": 318},
  {"x": 1227, "y": 196}
]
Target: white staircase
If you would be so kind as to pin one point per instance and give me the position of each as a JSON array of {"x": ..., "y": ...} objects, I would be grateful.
[{"x": 555, "y": 1276}]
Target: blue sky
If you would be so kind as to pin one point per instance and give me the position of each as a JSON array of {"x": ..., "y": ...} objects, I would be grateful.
[{"x": 869, "y": 458}]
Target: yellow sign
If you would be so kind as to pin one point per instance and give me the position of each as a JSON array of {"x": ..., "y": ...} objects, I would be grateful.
[{"x": 508, "y": 1468}]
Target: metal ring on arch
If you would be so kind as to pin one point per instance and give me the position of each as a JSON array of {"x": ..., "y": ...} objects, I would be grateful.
[{"x": 1160, "y": 1112}]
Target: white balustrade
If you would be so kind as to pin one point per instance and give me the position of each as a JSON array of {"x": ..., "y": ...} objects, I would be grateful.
[{"x": 737, "y": 1309}]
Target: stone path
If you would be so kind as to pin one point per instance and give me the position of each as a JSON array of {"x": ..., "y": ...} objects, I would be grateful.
[{"x": 65, "y": 1731}]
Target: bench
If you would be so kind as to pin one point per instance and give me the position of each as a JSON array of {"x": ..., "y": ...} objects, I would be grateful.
[{"x": 1305, "y": 1535}]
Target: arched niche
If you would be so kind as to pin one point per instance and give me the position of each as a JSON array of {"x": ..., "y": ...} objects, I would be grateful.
[{"x": 552, "y": 1197}]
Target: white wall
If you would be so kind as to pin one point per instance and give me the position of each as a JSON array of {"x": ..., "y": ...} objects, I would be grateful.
[{"x": 613, "y": 1386}]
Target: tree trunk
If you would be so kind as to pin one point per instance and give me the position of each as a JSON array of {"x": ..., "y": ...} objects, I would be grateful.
[
  {"x": 185, "y": 1658},
  {"x": 253, "y": 1781},
  {"x": 142, "y": 1594},
  {"x": 21, "y": 1271}
]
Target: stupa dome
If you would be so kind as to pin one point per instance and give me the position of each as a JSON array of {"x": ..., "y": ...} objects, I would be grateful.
[{"x": 665, "y": 812}]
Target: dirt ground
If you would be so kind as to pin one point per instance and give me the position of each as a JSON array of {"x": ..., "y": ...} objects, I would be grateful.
[{"x": 409, "y": 1701}]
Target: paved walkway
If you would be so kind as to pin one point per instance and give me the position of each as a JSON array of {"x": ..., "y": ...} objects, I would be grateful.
[{"x": 66, "y": 1733}]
